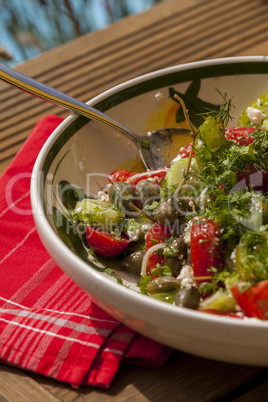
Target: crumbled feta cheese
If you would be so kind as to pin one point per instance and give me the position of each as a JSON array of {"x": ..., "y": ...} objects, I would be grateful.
[
  {"x": 106, "y": 189},
  {"x": 187, "y": 236},
  {"x": 103, "y": 196},
  {"x": 255, "y": 115},
  {"x": 200, "y": 143},
  {"x": 145, "y": 227},
  {"x": 186, "y": 277},
  {"x": 133, "y": 235}
]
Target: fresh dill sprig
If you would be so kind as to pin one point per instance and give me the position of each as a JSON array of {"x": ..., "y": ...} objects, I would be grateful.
[
  {"x": 221, "y": 165},
  {"x": 223, "y": 114}
]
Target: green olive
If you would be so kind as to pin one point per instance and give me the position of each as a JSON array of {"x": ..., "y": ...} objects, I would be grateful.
[
  {"x": 188, "y": 297},
  {"x": 123, "y": 196},
  {"x": 147, "y": 191},
  {"x": 175, "y": 255},
  {"x": 162, "y": 284},
  {"x": 188, "y": 195},
  {"x": 132, "y": 263},
  {"x": 168, "y": 213}
]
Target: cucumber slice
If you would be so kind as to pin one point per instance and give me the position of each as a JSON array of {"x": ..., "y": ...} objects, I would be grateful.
[
  {"x": 98, "y": 213},
  {"x": 176, "y": 172}
]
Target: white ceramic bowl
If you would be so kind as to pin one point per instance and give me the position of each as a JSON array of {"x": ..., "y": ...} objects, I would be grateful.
[{"x": 84, "y": 152}]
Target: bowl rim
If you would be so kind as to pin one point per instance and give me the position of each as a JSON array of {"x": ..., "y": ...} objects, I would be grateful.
[
  {"x": 176, "y": 68},
  {"x": 146, "y": 304}
]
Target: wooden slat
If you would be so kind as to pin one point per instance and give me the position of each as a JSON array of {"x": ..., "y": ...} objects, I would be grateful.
[
  {"x": 257, "y": 393},
  {"x": 171, "y": 42},
  {"x": 183, "y": 378},
  {"x": 124, "y": 52},
  {"x": 17, "y": 386}
]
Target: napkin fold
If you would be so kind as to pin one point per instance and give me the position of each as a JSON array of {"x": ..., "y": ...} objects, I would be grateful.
[{"x": 47, "y": 323}]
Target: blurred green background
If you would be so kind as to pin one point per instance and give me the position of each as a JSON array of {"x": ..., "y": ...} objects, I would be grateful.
[{"x": 30, "y": 27}]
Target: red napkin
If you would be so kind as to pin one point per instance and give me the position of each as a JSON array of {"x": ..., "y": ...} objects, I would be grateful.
[{"x": 47, "y": 323}]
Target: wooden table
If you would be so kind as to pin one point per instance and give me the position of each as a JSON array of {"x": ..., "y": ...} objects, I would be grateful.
[{"x": 170, "y": 33}]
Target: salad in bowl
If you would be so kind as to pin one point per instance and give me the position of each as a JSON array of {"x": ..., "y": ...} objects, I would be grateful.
[
  {"x": 178, "y": 254},
  {"x": 194, "y": 233}
]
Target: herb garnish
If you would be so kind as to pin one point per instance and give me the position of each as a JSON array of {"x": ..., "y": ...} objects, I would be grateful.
[{"x": 223, "y": 113}]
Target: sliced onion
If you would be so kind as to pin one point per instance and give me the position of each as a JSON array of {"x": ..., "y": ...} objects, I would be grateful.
[{"x": 148, "y": 254}]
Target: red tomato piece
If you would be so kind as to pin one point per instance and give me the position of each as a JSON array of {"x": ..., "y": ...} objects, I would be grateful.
[
  {"x": 104, "y": 243},
  {"x": 204, "y": 246},
  {"x": 152, "y": 263},
  {"x": 133, "y": 178},
  {"x": 157, "y": 234},
  {"x": 253, "y": 301},
  {"x": 156, "y": 175},
  {"x": 240, "y": 135},
  {"x": 119, "y": 175},
  {"x": 186, "y": 152}
]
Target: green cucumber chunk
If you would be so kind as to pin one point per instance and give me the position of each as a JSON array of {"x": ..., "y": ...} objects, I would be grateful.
[
  {"x": 98, "y": 213},
  {"x": 176, "y": 172}
]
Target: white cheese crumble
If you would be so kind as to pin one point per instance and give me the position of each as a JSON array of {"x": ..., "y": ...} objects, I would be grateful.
[
  {"x": 133, "y": 235},
  {"x": 186, "y": 277},
  {"x": 200, "y": 143},
  {"x": 103, "y": 196},
  {"x": 255, "y": 115},
  {"x": 187, "y": 236}
]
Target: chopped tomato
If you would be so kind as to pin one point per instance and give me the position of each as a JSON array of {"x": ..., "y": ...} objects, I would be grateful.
[
  {"x": 157, "y": 234},
  {"x": 119, "y": 175},
  {"x": 240, "y": 135},
  {"x": 104, "y": 243},
  {"x": 186, "y": 151},
  {"x": 156, "y": 175},
  {"x": 133, "y": 178},
  {"x": 204, "y": 246},
  {"x": 254, "y": 300}
]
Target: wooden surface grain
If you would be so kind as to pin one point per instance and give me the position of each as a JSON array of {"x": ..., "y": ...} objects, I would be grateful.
[{"x": 170, "y": 33}]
